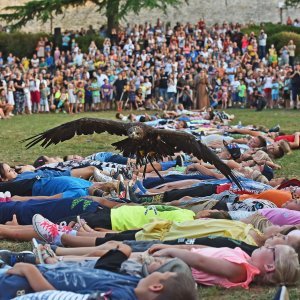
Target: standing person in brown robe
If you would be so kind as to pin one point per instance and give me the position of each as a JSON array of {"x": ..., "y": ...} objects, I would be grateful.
[{"x": 201, "y": 89}]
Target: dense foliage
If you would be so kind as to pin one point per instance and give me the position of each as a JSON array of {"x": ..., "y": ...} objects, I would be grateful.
[
  {"x": 24, "y": 44},
  {"x": 114, "y": 10}
]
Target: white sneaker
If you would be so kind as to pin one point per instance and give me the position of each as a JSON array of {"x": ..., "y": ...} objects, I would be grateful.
[
  {"x": 99, "y": 177},
  {"x": 47, "y": 230}
]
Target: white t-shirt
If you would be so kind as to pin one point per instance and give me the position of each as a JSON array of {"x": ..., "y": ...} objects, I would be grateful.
[
  {"x": 268, "y": 83},
  {"x": 35, "y": 62},
  {"x": 100, "y": 79},
  {"x": 148, "y": 86},
  {"x": 235, "y": 84}
]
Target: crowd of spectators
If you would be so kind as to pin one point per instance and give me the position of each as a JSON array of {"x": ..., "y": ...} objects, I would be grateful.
[
  {"x": 132, "y": 234},
  {"x": 152, "y": 67}
]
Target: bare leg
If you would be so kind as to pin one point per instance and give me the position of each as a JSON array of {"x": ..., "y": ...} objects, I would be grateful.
[
  {"x": 84, "y": 173},
  {"x": 94, "y": 233},
  {"x": 174, "y": 185},
  {"x": 25, "y": 234},
  {"x": 105, "y": 202},
  {"x": 78, "y": 241},
  {"x": 208, "y": 172},
  {"x": 149, "y": 168}
]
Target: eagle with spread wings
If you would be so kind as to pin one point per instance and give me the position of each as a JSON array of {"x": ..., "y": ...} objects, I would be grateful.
[{"x": 143, "y": 141}]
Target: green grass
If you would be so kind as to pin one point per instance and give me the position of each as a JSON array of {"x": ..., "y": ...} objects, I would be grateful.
[{"x": 13, "y": 152}]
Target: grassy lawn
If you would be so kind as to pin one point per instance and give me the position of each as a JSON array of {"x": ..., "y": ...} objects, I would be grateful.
[{"x": 18, "y": 128}]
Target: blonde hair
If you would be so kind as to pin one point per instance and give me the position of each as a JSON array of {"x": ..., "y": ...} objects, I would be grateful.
[
  {"x": 287, "y": 269},
  {"x": 296, "y": 247}
]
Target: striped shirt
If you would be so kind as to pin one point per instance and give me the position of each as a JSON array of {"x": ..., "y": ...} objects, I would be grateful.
[{"x": 53, "y": 295}]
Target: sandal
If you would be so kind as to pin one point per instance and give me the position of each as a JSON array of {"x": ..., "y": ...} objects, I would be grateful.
[
  {"x": 79, "y": 224},
  {"x": 42, "y": 251},
  {"x": 82, "y": 222}
]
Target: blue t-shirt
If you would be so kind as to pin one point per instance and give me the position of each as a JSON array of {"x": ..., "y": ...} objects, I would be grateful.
[
  {"x": 42, "y": 173},
  {"x": 71, "y": 187},
  {"x": 54, "y": 210},
  {"x": 73, "y": 278}
]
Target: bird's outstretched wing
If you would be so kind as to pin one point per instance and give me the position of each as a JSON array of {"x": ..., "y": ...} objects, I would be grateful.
[
  {"x": 83, "y": 126},
  {"x": 182, "y": 141}
]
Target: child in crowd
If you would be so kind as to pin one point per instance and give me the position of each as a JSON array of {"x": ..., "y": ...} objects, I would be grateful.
[
  {"x": 10, "y": 93},
  {"x": 275, "y": 92},
  {"x": 80, "y": 96},
  {"x": 61, "y": 100},
  {"x": 95, "y": 88},
  {"x": 72, "y": 99},
  {"x": 224, "y": 95},
  {"x": 250, "y": 91},
  {"x": 242, "y": 93},
  {"x": 44, "y": 106},
  {"x": 106, "y": 91},
  {"x": 88, "y": 97},
  {"x": 132, "y": 97}
]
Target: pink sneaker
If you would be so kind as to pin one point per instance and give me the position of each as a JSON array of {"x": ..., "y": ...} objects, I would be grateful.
[
  {"x": 5, "y": 197},
  {"x": 47, "y": 230}
]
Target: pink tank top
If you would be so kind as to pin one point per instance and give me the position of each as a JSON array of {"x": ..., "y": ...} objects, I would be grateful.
[{"x": 236, "y": 256}]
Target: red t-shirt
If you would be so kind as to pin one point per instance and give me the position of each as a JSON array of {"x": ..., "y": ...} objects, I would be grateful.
[{"x": 288, "y": 138}]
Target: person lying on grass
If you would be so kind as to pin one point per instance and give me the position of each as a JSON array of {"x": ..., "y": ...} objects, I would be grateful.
[
  {"x": 232, "y": 267},
  {"x": 158, "y": 230},
  {"x": 103, "y": 278}
]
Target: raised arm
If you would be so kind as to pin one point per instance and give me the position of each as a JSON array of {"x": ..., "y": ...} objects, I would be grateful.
[
  {"x": 245, "y": 131},
  {"x": 26, "y": 198}
]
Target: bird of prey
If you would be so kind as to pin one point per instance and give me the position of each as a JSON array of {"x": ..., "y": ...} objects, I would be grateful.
[{"x": 143, "y": 141}]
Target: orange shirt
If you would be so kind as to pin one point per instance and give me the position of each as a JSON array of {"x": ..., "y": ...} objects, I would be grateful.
[{"x": 278, "y": 197}]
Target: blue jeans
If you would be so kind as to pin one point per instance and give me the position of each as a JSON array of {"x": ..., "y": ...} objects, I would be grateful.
[
  {"x": 171, "y": 95},
  {"x": 163, "y": 93},
  {"x": 295, "y": 92},
  {"x": 235, "y": 97},
  {"x": 109, "y": 157},
  {"x": 262, "y": 51}
]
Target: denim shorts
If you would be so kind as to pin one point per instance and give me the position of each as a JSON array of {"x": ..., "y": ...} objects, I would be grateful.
[{"x": 167, "y": 165}]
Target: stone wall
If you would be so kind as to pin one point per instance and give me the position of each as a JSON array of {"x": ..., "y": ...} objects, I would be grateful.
[{"x": 242, "y": 11}]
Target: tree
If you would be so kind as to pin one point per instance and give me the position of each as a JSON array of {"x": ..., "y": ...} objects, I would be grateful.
[
  {"x": 292, "y": 3},
  {"x": 114, "y": 10}
]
